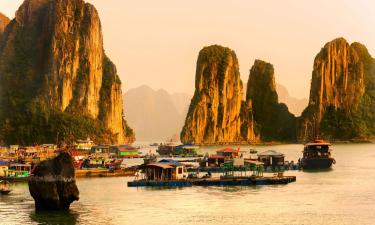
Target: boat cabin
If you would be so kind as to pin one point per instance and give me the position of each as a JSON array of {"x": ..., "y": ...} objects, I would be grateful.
[
  {"x": 18, "y": 170},
  {"x": 228, "y": 153},
  {"x": 124, "y": 151},
  {"x": 271, "y": 158},
  {"x": 317, "y": 149},
  {"x": 99, "y": 149},
  {"x": 164, "y": 170},
  {"x": 84, "y": 145},
  {"x": 3, "y": 168}
]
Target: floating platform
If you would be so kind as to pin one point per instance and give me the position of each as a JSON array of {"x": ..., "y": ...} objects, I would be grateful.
[
  {"x": 267, "y": 169},
  {"x": 233, "y": 181}
]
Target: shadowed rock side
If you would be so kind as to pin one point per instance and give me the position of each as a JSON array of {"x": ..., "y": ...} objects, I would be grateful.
[
  {"x": 273, "y": 121},
  {"x": 54, "y": 71},
  {"x": 52, "y": 184},
  {"x": 214, "y": 113},
  {"x": 342, "y": 97}
]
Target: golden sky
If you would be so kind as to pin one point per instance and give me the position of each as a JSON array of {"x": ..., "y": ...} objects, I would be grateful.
[{"x": 157, "y": 42}]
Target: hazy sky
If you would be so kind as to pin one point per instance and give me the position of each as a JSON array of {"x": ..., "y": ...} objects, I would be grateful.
[{"x": 157, "y": 42}]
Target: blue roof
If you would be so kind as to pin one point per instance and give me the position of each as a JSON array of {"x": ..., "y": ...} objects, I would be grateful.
[{"x": 170, "y": 162}]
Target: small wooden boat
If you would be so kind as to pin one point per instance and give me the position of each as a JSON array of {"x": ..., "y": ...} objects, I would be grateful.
[{"x": 4, "y": 187}]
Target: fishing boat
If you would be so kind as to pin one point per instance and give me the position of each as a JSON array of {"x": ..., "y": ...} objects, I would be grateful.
[
  {"x": 166, "y": 149},
  {"x": 317, "y": 155},
  {"x": 4, "y": 187},
  {"x": 149, "y": 158}
]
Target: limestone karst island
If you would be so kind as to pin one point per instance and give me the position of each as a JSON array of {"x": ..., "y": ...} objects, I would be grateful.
[{"x": 198, "y": 112}]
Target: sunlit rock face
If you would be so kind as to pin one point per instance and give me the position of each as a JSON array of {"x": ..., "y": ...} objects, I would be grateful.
[
  {"x": 342, "y": 85},
  {"x": 3, "y": 23},
  {"x": 214, "y": 113},
  {"x": 53, "y": 59}
]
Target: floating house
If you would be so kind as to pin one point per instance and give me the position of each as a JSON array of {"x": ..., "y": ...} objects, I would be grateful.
[
  {"x": 219, "y": 158},
  {"x": 271, "y": 158},
  {"x": 228, "y": 152},
  {"x": 164, "y": 170}
]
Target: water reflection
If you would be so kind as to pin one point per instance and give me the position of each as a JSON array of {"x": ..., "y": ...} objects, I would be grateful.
[{"x": 55, "y": 217}]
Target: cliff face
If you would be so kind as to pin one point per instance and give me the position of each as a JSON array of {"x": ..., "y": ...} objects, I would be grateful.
[
  {"x": 272, "y": 120},
  {"x": 53, "y": 60},
  {"x": 342, "y": 85},
  {"x": 214, "y": 113}
]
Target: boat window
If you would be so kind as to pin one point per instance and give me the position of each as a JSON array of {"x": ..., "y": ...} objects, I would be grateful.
[{"x": 179, "y": 170}]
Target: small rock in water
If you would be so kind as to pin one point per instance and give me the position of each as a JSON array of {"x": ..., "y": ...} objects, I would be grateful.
[{"x": 53, "y": 185}]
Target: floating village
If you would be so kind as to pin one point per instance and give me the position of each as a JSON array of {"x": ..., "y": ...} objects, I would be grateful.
[{"x": 169, "y": 165}]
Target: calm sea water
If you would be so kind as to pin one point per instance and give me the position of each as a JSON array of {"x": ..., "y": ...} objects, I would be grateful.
[{"x": 343, "y": 195}]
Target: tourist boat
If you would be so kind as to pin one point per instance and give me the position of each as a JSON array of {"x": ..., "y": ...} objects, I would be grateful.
[
  {"x": 171, "y": 149},
  {"x": 4, "y": 187},
  {"x": 317, "y": 155},
  {"x": 124, "y": 151},
  {"x": 17, "y": 172},
  {"x": 101, "y": 162}
]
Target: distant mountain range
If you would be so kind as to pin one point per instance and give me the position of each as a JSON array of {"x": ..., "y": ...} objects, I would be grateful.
[
  {"x": 155, "y": 115},
  {"x": 295, "y": 105}
]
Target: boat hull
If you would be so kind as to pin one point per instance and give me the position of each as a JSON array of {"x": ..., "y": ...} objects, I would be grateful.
[
  {"x": 317, "y": 163},
  {"x": 5, "y": 192}
]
